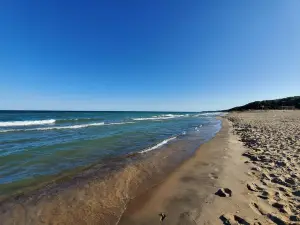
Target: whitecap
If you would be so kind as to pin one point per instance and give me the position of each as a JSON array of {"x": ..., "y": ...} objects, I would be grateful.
[
  {"x": 26, "y": 123},
  {"x": 158, "y": 145},
  {"x": 208, "y": 114},
  {"x": 160, "y": 117},
  {"x": 65, "y": 127}
]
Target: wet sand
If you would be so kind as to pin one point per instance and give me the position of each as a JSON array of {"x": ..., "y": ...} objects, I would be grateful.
[
  {"x": 247, "y": 174},
  {"x": 98, "y": 194},
  {"x": 187, "y": 196}
]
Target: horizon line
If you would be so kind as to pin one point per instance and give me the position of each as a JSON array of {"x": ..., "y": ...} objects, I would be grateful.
[{"x": 60, "y": 110}]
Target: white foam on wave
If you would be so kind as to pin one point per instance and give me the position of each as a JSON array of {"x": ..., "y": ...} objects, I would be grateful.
[
  {"x": 158, "y": 145},
  {"x": 26, "y": 123},
  {"x": 65, "y": 127},
  {"x": 70, "y": 127},
  {"x": 76, "y": 119},
  {"x": 210, "y": 114},
  {"x": 161, "y": 117},
  {"x": 198, "y": 128},
  {"x": 119, "y": 123}
]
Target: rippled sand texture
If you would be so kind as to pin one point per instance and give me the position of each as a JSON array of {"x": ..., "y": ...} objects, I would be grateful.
[{"x": 272, "y": 139}]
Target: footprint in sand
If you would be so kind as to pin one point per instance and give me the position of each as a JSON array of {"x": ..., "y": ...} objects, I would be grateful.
[
  {"x": 231, "y": 219},
  {"x": 162, "y": 216},
  {"x": 294, "y": 218},
  {"x": 284, "y": 208},
  {"x": 261, "y": 211},
  {"x": 297, "y": 193},
  {"x": 213, "y": 176},
  {"x": 252, "y": 187},
  {"x": 258, "y": 209},
  {"x": 224, "y": 192},
  {"x": 186, "y": 219},
  {"x": 255, "y": 188},
  {"x": 264, "y": 197},
  {"x": 276, "y": 219}
]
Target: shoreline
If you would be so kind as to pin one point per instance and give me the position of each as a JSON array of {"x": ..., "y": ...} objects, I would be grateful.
[
  {"x": 93, "y": 196},
  {"x": 36, "y": 148},
  {"x": 181, "y": 192},
  {"x": 187, "y": 195},
  {"x": 247, "y": 174}
]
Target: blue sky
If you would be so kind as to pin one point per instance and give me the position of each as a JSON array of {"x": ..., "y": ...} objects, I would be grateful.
[{"x": 147, "y": 55}]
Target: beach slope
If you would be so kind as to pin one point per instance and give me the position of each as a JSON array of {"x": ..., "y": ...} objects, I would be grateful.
[{"x": 247, "y": 174}]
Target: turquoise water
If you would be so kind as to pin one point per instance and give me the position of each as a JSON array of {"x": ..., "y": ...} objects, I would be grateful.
[{"x": 36, "y": 144}]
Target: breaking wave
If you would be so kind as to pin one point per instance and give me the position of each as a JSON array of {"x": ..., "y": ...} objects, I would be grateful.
[
  {"x": 210, "y": 114},
  {"x": 26, "y": 123},
  {"x": 65, "y": 127},
  {"x": 158, "y": 145},
  {"x": 161, "y": 117},
  {"x": 78, "y": 120}
]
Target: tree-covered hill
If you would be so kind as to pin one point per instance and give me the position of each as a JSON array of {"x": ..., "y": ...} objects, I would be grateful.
[{"x": 282, "y": 103}]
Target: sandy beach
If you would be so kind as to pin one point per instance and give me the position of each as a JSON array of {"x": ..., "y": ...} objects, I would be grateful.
[
  {"x": 272, "y": 141},
  {"x": 247, "y": 174},
  {"x": 150, "y": 113}
]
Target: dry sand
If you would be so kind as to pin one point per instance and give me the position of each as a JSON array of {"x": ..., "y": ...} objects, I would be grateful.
[
  {"x": 273, "y": 151},
  {"x": 247, "y": 174}
]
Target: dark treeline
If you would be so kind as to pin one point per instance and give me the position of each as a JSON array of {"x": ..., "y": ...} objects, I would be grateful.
[{"x": 282, "y": 103}]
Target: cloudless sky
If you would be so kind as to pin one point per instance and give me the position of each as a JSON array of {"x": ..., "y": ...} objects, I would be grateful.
[{"x": 147, "y": 54}]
